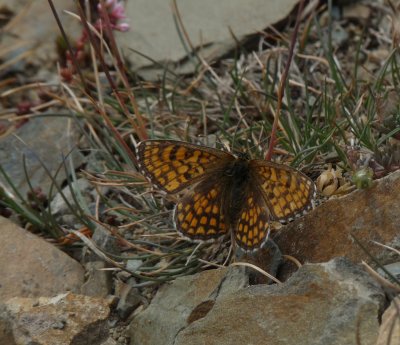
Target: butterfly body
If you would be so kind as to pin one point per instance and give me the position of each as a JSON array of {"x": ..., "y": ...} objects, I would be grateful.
[{"x": 223, "y": 191}]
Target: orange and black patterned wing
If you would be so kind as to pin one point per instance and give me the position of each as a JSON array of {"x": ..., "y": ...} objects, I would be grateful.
[
  {"x": 252, "y": 228},
  {"x": 174, "y": 165},
  {"x": 288, "y": 192},
  {"x": 198, "y": 215}
]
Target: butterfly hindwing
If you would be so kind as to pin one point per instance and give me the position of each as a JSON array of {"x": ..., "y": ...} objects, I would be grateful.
[
  {"x": 198, "y": 215},
  {"x": 251, "y": 230}
]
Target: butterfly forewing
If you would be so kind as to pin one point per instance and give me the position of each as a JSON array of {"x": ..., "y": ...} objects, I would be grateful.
[
  {"x": 198, "y": 214},
  {"x": 288, "y": 192},
  {"x": 174, "y": 165}
]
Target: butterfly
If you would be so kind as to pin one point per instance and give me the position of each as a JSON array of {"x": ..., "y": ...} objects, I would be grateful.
[{"x": 224, "y": 192}]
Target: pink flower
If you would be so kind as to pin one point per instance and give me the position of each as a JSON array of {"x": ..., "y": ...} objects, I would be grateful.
[{"x": 116, "y": 11}]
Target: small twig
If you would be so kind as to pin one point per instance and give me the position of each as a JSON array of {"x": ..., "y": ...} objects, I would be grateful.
[
  {"x": 381, "y": 280},
  {"x": 258, "y": 269},
  {"x": 281, "y": 89}
]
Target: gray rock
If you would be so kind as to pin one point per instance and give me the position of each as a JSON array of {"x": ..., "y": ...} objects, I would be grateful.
[
  {"x": 44, "y": 138},
  {"x": 60, "y": 320},
  {"x": 38, "y": 40},
  {"x": 181, "y": 302},
  {"x": 320, "y": 304},
  {"x": 32, "y": 267},
  {"x": 393, "y": 269},
  {"x": 129, "y": 298},
  {"x": 329, "y": 230},
  {"x": 84, "y": 194},
  {"x": 105, "y": 241},
  {"x": 98, "y": 281},
  {"x": 208, "y": 24}
]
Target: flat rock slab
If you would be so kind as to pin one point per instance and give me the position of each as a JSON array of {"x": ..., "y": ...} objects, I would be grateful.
[
  {"x": 320, "y": 304},
  {"x": 369, "y": 215},
  {"x": 181, "y": 302},
  {"x": 209, "y": 24},
  {"x": 23, "y": 34},
  {"x": 41, "y": 141},
  {"x": 31, "y": 267},
  {"x": 60, "y": 320}
]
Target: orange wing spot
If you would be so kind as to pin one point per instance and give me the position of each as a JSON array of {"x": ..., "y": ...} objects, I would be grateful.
[
  {"x": 250, "y": 235},
  {"x": 181, "y": 216},
  {"x": 180, "y": 154},
  {"x": 213, "y": 193},
  {"x": 167, "y": 151},
  {"x": 157, "y": 172},
  {"x": 172, "y": 185},
  {"x": 240, "y": 227},
  {"x": 246, "y": 229},
  {"x": 165, "y": 168},
  {"x": 256, "y": 232},
  {"x": 215, "y": 209},
  {"x": 189, "y": 216},
  {"x": 187, "y": 208},
  {"x": 179, "y": 207},
  {"x": 284, "y": 177},
  {"x": 182, "y": 169},
  {"x": 161, "y": 181},
  {"x": 213, "y": 222},
  {"x": 211, "y": 232},
  {"x": 176, "y": 164},
  {"x": 171, "y": 175},
  {"x": 184, "y": 226},
  {"x": 276, "y": 192},
  {"x": 196, "y": 197},
  {"x": 282, "y": 203},
  {"x": 191, "y": 231},
  {"x": 289, "y": 198},
  {"x": 194, "y": 158},
  {"x": 194, "y": 222},
  {"x": 208, "y": 210},
  {"x": 204, "y": 203},
  {"x": 203, "y": 220},
  {"x": 293, "y": 183},
  {"x": 200, "y": 230},
  {"x": 244, "y": 239},
  {"x": 273, "y": 175},
  {"x": 154, "y": 151},
  {"x": 204, "y": 160},
  {"x": 199, "y": 211}
]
